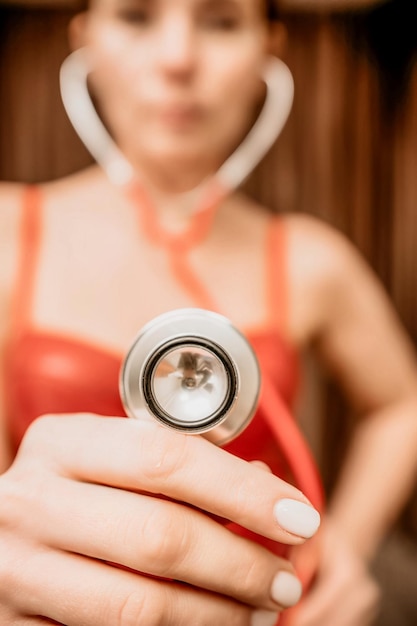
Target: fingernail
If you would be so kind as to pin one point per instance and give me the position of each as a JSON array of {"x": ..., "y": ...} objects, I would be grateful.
[
  {"x": 264, "y": 618},
  {"x": 297, "y": 517},
  {"x": 286, "y": 589}
]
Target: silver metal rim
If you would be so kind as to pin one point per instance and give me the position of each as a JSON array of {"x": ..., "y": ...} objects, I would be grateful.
[{"x": 214, "y": 331}]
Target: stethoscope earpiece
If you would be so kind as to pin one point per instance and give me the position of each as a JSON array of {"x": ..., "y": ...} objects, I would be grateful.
[{"x": 193, "y": 371}]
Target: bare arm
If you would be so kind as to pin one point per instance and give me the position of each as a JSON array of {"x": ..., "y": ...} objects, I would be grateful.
[
  {"x": 341, "y": 308},
  {"x": 364, "y": 344}
]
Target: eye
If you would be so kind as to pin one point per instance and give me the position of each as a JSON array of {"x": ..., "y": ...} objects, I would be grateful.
[
  {"x": 222, "y": 15},
  {"x": 135, "y": 15},
  {"x": 220, "y": 19},
  {"x": 221, "y": 22}
]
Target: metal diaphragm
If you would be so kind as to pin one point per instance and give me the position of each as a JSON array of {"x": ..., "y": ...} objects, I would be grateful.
[{"x": 193, "y": 371}]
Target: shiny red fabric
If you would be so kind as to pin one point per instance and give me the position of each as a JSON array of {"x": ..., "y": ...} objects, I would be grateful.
[{"x": 49, "y": 373}]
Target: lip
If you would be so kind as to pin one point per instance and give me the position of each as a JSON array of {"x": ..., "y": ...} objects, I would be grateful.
[{"x": 179, "y": 114}]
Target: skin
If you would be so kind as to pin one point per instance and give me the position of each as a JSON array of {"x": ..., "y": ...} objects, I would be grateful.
[
  {"x": 196, "y": 92},
  {"x": 75, "y": 527}
]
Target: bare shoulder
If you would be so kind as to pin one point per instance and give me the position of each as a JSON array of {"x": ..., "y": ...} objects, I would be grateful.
[
  {"x": 76, "y": 186},
  {"x": 324, "y": 266},
  {"x": 342, "y": 305},
  {"x": 320, "y": 245},
  {"x": 67, "y": 191},
  {"x": 11, "y": 199},
  {"x": 322, "y": 254},
  {"x": 10, "y": 195},
  {"x": 10, "y": 203}
]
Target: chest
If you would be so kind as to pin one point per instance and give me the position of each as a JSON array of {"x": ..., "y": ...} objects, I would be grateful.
[{"x": 97, "y": 276}]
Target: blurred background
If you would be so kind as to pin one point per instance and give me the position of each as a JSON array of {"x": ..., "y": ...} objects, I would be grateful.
[{"x": 348, "y": 155}]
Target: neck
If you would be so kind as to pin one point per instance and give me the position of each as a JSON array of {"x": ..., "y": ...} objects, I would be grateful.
[
  {"x": 175, "y": 210},
  {"x": 175, "y": 205},
  {"x": 177, "y": 179},
  {"x": 173, "y": 176},
  {"x": 176, "y": 221},
  {"x": 176, "y": 192}
]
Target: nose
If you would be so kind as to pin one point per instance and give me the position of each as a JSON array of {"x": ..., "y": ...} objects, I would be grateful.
[{"x": 176, "y": 51}]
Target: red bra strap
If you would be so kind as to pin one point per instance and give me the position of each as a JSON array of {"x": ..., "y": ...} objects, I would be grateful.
[
  {"x": 277, "y": 273},
  {"x": 29, "y": 246}
]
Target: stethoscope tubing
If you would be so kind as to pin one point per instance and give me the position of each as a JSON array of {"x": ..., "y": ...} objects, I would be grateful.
[{"x": 292, "y": 444}]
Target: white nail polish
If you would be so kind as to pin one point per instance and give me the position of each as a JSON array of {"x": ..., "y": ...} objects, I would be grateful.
[
  {"x": 286, "y": 589},
  {"x": 264, "y": 618},
  {"x": 297, "y": 517}
]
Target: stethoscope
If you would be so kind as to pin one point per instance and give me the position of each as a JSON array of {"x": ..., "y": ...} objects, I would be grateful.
[{"x": 191, "y": 369}]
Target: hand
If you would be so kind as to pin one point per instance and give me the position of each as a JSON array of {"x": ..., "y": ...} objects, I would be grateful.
[
  {"x": 344, "y": 592},
  {"x": 99, "y": 517}
]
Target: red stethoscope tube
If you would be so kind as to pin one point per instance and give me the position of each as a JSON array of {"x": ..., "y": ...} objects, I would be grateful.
[
  {"x": 294, "y": 448},
  {"x": 302, "y": 465}
]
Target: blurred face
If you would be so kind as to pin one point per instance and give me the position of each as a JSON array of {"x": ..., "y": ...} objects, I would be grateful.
[{"x": 177, "y": 81}]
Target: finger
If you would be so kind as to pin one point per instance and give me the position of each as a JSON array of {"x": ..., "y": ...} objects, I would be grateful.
[
  {"x": 87, "y": 593},
  {"x": 141, "y": 455},
  {"x": 161, "y": 538},
  {"x": 9, "y": 617},
  {"x": 261, "y": 465},
  {"x": 34, "y": 621}
]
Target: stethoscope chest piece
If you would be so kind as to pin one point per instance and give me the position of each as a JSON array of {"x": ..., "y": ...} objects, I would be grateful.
[{"x": 193, "y": 371}]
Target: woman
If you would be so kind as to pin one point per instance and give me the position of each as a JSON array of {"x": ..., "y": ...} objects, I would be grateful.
[{"x": 179, "y": 84}]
